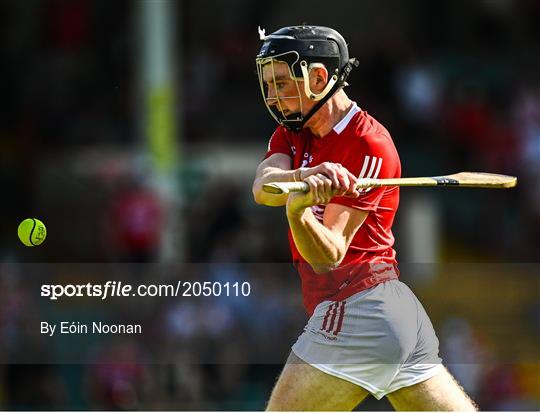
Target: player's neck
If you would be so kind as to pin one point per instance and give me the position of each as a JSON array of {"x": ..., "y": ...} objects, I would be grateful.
[{"x": 330, "y": 114}]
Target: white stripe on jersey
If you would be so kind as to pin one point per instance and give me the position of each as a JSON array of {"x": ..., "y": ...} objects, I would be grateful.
[
  {"x": 372, "y": 167},
  {"x": 373, "y": 171},
  {"x": 378, "y": 168},
  {"x": 364, "y": 167}
]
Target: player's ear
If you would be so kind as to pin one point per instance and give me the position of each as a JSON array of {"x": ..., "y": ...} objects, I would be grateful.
[{"x": 318, "y": 78}]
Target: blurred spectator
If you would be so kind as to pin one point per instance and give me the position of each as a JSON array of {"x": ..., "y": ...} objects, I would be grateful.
[
  {"x": 526, "y": 113},
  {"x": 118, "y": 378},
  {"x": 463, "y": 353},
  {"x": 133, "y": 225},
  {"x": 420, "y": 91}
]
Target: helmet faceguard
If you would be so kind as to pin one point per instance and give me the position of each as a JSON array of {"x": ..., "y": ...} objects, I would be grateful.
[
  {"x": 274, "y": 104},
  {"x": 302, "y": 48}
]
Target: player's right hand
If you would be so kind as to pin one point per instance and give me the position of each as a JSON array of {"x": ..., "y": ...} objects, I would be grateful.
[
  {"x": 342, "y": 179},
  {"x": 321, "y": 190}
]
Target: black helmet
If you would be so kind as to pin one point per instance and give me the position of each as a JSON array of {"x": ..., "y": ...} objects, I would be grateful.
[{"x": 302, "y": 47}]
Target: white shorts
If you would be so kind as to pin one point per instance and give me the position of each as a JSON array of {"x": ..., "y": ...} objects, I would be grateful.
[{"x": 380, "y": 339}]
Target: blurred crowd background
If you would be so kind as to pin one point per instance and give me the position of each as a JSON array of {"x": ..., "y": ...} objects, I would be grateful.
[{"x": 457, "y": 85}]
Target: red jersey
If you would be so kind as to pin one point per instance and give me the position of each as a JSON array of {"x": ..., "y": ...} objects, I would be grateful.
[{"x": 365, "y": 148}]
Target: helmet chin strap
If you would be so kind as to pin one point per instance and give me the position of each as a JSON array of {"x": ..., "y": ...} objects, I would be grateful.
[
  {"x": 309, "y": 93},
  {"x": 322, "y": 98},
  {"x": 299, "y": 125}
]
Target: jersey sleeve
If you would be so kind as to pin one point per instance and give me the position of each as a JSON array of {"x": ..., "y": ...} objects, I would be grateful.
[
  {"x": 279, "y": 143},
  {"x": 374, "y": 157}
]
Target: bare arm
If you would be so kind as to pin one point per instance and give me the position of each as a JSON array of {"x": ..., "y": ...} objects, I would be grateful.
[
  {"x": 276, "y": 168},
  {"x": 323, "y": 245}
]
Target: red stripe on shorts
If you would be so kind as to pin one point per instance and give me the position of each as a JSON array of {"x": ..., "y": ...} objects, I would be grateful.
[
  {"x": 340, "y": 320},
  {"x": 328, "y": 312},
  {"x": 333, "y": 319}
]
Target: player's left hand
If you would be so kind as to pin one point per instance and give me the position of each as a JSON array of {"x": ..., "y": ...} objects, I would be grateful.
[{"x": 321, "y": 191}]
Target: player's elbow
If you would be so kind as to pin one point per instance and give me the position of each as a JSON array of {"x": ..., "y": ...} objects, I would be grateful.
[
  {"x": 333, "y": 259},
  {"x": 329, "y": 266},
  {"x": 325, "y": 268},
  {"x": 320, "y": 269}
]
